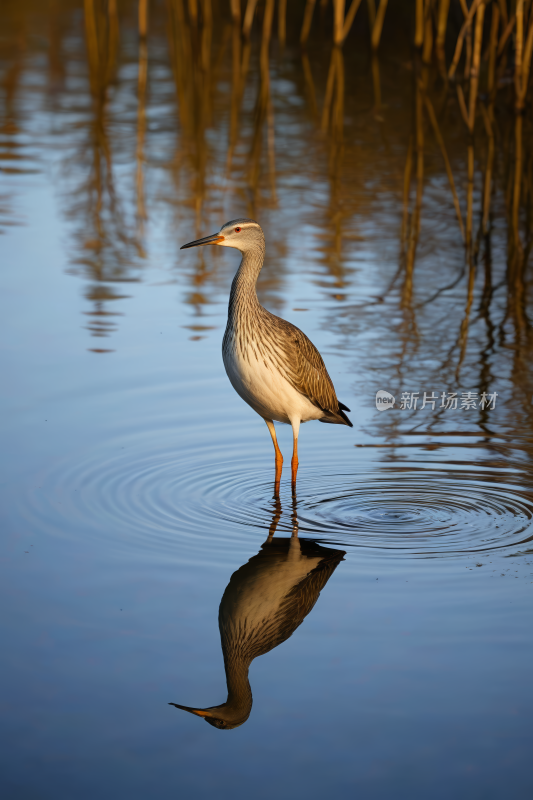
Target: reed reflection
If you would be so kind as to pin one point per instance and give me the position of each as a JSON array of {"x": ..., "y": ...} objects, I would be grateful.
[
  {"x": 194, "y": 109},
  {"x": 265, "y": 601},
  {"x": 108, "y": 247}
]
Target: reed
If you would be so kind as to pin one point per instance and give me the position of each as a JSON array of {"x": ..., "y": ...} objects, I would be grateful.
[
  {"x": 470, "y": 61},
  {"x": 463, "y": 64},
  {"x": 142, "y": 80}
]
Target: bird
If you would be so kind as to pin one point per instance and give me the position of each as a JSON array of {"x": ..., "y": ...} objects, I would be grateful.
[
  {"x": 270, "y": 363},
  {"x": 265, "y": 601}
]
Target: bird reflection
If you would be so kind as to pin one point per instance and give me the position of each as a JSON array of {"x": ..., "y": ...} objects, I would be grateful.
[{"x": 264, "y": 602}]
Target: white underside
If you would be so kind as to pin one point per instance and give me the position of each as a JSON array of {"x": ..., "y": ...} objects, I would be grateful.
[{"x": 268, "y": 392}]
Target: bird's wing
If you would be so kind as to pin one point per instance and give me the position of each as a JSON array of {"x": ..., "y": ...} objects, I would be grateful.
[
  {"x": 304, "y": 368},
  {"x": 295, "y": 606},
  {"x": 302, "y": 597}
]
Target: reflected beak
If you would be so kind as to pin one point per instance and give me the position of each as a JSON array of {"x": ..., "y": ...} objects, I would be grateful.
[
  {"x": 198, "y": 711},
  {"x": 215, "y": 238}
]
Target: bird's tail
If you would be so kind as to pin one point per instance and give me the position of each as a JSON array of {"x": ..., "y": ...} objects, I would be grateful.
[{"x": 338, "y": 418}]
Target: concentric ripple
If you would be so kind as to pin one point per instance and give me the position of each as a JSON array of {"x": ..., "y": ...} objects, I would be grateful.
[{"x": 147, "y": 497}]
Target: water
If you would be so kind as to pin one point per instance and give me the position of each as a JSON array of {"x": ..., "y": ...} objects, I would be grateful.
[{"x": 135, "y": 482}]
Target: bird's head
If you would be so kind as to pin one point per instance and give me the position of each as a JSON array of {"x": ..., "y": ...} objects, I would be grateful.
[
  {"x": 223, "y": 717},
  {"x": 242, "y": 234}
]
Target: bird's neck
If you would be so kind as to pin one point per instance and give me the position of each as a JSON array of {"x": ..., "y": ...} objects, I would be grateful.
[
  {"x": 239, "y": 702},
  {"x": 243, "y": 292}
]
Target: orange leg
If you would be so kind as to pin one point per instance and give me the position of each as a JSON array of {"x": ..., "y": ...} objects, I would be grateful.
[
  {"x": 275, "y": 519},
  {"x": 279, "y": 457},
  {"x": 294, "y": 462}
]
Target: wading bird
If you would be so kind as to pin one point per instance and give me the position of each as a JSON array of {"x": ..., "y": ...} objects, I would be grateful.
[
  {"x": 263, "y": 604},
  {"x": 271, "y": 364}
]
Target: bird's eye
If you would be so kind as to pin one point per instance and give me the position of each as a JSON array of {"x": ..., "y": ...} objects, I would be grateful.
[{"x": 237, "y": 230}]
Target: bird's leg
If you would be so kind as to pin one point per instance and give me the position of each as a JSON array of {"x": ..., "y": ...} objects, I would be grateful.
[
  {"x": 294, "y": 463},
  {"x": 294, "y": 515},
  {"x": 279, "y": 457},
  {"x": 275, "y": 519}
]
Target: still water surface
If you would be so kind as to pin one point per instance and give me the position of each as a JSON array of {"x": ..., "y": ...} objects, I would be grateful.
[{"x": 136, "y": 482}]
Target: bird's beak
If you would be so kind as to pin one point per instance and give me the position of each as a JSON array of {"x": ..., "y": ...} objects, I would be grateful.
[
  {"x": 215, "y": 238},
  {"x": 200, "y": 712}
]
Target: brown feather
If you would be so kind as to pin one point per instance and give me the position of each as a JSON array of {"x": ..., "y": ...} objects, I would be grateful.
[{"x": 303, "y": 366}]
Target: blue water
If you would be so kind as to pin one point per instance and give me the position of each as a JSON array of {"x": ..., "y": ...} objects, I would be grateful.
[{"x": 135, "y": 482}]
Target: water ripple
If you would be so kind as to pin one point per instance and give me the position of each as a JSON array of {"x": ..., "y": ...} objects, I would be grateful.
[{"x": 152, "y": 499}]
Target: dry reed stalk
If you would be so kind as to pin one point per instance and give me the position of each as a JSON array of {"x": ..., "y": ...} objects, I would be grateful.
[
  {"x": 517, "y": 184},
  {"x": 236, "y": 11},
  {"x": 502, "y": 4},
  {"x": 193, "y": 79},
  {"x": 92, "y": 45},
  {"x": 180, "y": 44},
  {"x": 419, "y": 23},
  {"x": 235, "y": 93},
  {"x": 519, "y": 44},
  {"x": 141, "y": 132},
  {"x": 517, "y": 262},
  {"x": 193, "y": 12},
  {"x": 463, "y": 333},
  {"x": 487, "y": 187},
  {"x": 246, "y": 53},
  {"x": 265, "y": 66},
  {"x": 469, "y": 201},
  {"x": 102, "y": 34},
  {"x": 449, "y": 173},
  {"x": 338, "y": 20},
  {"x": 308, "y": 76},
  {"x": 487, "y": 291},
  {"x": 488, "y": 119},
  {"x": 308, "y": 18},
  {"x": 350, "y": 16},
  {"x": 248, "y": 17},
  {"x": 338, "y": 111},
  {"x": 444, "y": 7},
  {"x": 282, "y": 22},
  {"x": 143, "y": 18},
  {"x": 468, "y": 54},
  {"x": 264, "y": 111},
  {"x": 522, "y": 73},
  {"x": 462, "y": 342},
  {"x": 239, "y": 71},
  {"x": 464, "y": 29},
  {"x": 506, "y": 33},
  {"x": 462, "y": 103},
  {"x": 414, "y": 232},
  {"x": 329, "y": 92},
  {"x": 378, "y": 24},
  {"x": 493, "y": 45},
  {"x": 113, "y": 39},
  {"x": 469, "y": 115},
  {"x": 474, "y": 72},
  {"x": 267, "y": 31},
  {"x": 199, "y": 99},
  {"x": 207, "y": 31},
  {"x": 470, "y": 290},
  {"x": 427, "y": 48},
  {"x": 406, "y": 191},
  {"x": 371, "y": 5}
]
